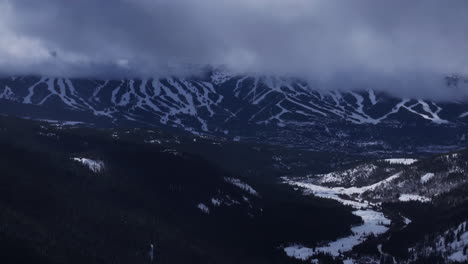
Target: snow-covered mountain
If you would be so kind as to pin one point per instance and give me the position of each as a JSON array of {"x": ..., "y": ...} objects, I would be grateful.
[{"x": 269, "y": 109}]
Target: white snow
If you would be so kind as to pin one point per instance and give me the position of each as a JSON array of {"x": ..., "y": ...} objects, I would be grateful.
[
  {"x": 374, "y": 223},
  {"x": 173, "y": 98},
  {"x": 427, "y": 177},
  {"x": 242, "y": 185},
  {"x": 401, "y": 161},
  {"x": 458, "y": 256},
  {"x": 94, "y": 165},
  {"x": 216, "y": 201},
  {"x": 372, "y": 97},
  {"x": 71, "y": 123},
  {"x": 434, "y": 115},
  {"x": 27, "y": 99},
  {"x": 299, "y": 252},
  {"x": 413, "y": 197},
  {"x": 329, "y": 193},
  {"x": 203, "y": 208},
  {"x": 8, "y": 94},
  {"x": 61, "y": 122}
]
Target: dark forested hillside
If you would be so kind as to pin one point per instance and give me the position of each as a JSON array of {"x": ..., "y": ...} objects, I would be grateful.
[{"x": 79, "y": 195}]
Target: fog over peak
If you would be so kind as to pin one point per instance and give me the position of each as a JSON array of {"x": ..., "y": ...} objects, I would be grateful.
[{"x": 397, "y": 46}]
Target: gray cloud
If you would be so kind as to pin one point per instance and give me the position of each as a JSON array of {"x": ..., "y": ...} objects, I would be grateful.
[{"x": 408, "y": 44}]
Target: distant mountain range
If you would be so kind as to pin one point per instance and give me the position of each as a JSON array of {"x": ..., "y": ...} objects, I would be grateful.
[{"x": 264, "y": 109}]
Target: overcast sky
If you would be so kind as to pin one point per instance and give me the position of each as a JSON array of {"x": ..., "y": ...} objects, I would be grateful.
[{"x": 395, "y": 42}]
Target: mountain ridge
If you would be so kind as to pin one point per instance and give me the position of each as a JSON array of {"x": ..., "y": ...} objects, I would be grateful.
[{"x": 230, "y": 106}]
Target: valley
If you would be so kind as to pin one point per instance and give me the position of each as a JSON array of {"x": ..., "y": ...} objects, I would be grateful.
[{"x": 291, "y": 176}]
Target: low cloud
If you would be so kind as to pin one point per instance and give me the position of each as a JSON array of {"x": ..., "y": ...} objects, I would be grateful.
[{"x": 398, "y": 46}]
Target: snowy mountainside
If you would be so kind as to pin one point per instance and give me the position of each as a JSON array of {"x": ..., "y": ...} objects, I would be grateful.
[
  {"x": 267, "y": 109},
  {"x": 426, "y": 180},
  {"x": 357, "y": 176},
  {"x": 393, "y": 180},
  {"x": 419, "y": 208}
]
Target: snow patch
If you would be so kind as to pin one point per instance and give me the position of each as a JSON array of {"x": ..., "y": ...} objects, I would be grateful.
[
  {"x": 203, "y": 208},
  {"x": 372, "y": 97},
  {"x": 8, "y": 94},
  {"x": 427, "y": 177},
  {"x": 413, "y": 197},
  {"x": 374, "y": 223},
  {"x": 62, "y": 123},
  {"x": 401, "y": 161},
  {"x": 242, "y": 185},
  {"x": 216, "y": 201},
  {"x": 299, "y": 252},
  {"x": 94, "y": 165}
]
